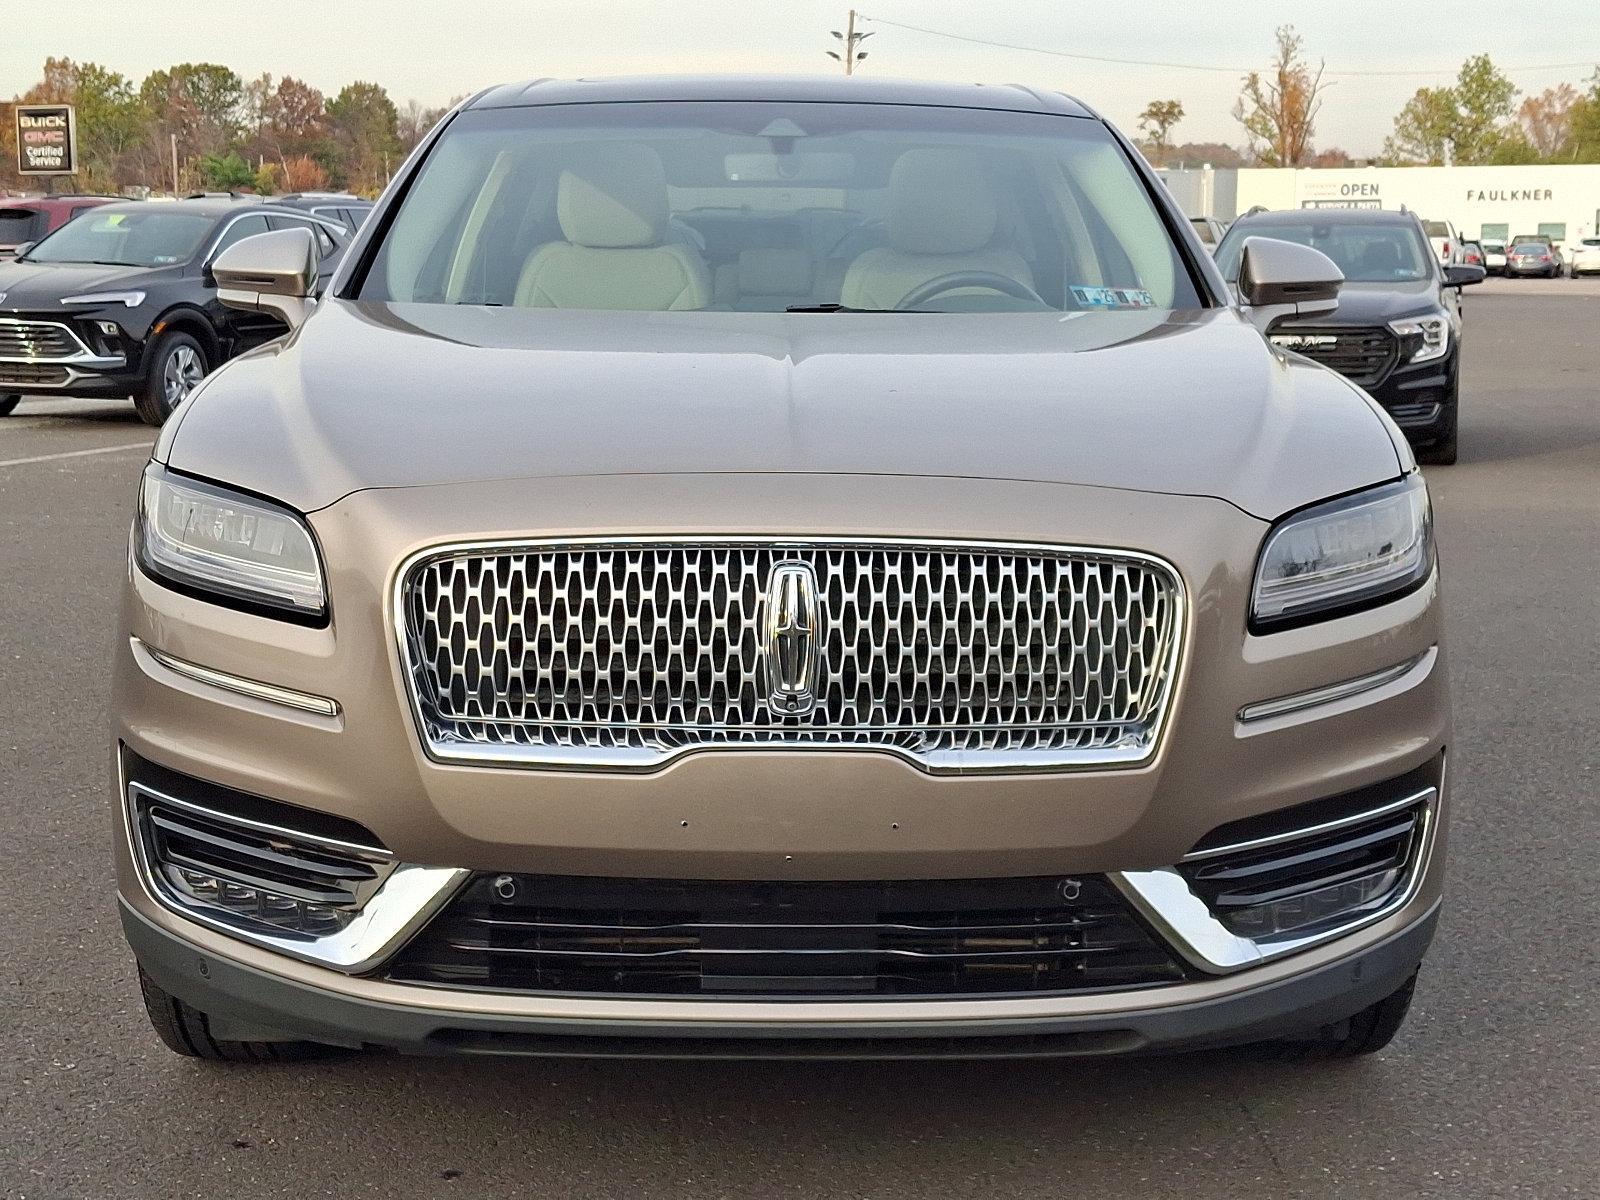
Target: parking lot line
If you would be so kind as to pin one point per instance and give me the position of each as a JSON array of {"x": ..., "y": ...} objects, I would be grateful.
[{"x": 39, "y": 458}]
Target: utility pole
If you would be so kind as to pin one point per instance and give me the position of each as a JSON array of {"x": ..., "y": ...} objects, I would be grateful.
[
  {"x": 174, "y": 166},
  {"x": 851, "y": 39}
]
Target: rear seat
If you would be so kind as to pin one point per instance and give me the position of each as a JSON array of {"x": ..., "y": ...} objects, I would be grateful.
[{"x": 772, "y": 280}]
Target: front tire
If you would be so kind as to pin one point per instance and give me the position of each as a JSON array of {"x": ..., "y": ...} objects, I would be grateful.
[
  {"x": 8, "y": 404},
  {"x": 177, "y": 366},
  {"x": 1367, "y": 1032},
  {"x": 186, "y": 1030}
]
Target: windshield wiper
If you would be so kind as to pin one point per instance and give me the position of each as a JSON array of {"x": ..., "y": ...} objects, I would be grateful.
[{"x": 845, "y": 308}]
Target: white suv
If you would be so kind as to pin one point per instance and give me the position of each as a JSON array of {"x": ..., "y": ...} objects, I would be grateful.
[
  {"x": 1446, "y": 241},
  {"x": 1583, "y": 257}
]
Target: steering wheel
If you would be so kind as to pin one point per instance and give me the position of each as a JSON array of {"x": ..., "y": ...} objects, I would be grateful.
[{"x": 989, "y": 280}]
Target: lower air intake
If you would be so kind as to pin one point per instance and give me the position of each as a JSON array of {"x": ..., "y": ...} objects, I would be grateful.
[{"x": 536, "y": 933}]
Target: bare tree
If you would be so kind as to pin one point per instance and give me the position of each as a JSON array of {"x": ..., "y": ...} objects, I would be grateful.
[{"x": 1279, "y": 110}]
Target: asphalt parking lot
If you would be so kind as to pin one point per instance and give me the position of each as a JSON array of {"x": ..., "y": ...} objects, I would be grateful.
[{"x": 1492, "y": 1089}]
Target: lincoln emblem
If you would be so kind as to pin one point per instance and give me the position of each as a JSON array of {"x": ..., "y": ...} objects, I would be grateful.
[{"x": 791, "y": 629}]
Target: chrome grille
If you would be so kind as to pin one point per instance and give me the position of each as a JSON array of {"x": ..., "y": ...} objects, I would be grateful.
[
  {"x": 959, "y": 656},
  {"x": 1362, "y": 355},
  {"x": 37, "y": 340}
]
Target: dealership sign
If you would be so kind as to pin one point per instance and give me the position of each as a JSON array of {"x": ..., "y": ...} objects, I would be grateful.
[{"x": 47, "y": 139}]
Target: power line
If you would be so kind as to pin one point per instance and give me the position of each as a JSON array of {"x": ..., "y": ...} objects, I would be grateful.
[{"x": 1179, "y": 66}]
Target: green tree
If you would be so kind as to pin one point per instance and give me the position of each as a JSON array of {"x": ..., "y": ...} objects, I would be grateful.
[
  {"x": 225, "y": 172},
  {"x": 1465, "y": 123},
  {"x": 1583, "y": 136},
  {"x": 1157, "y": 120},
  {"x": 365, "y": 127}
]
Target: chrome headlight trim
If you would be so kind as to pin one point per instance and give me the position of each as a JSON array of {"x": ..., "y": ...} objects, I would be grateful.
[{"x": 1431, "y": 334}]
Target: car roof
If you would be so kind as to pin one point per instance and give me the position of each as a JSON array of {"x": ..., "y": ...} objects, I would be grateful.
[
  {"x": 794, "y": 89},
  {"x": 58, "y": 201},
  {"x": 1330, "y": 216}
]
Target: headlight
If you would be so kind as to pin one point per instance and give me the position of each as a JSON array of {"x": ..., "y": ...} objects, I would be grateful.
[
  {"x": 1422, "y": 338},
  {"x": 126, "y": 299},
  {"x": 1343, "y": 555},
  {"x": 229, "y": 546}
]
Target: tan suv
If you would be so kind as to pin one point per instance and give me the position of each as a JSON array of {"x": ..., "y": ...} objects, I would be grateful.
[{"x": 778, "y": 566}]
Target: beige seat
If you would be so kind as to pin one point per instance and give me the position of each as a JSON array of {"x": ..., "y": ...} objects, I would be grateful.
[
  {"x": 612, "y": 209},
  {"x": 942, "y": 218}
]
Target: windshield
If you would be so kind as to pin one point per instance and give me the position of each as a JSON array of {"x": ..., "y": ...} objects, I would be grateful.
[
  {"x": 770, "y": 207},
  {"x": 1530, "y": 248},
  {"x": 148, "y": 236},
  {"x": 1365, "y": 253}
]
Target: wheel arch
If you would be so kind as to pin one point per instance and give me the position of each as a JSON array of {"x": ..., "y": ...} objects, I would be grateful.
[{"x": 188, "y": 320}]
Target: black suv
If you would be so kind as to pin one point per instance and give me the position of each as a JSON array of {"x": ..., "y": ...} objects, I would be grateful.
[
  {"x": 1397, "y": 330},
  {"x": 121, "y": 301}
]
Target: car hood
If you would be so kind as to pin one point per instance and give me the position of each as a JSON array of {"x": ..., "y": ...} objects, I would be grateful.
[
  {"x": 370, "y": 395},
  {"x": 1379, "y": 303},
  {"x": 32, "y": 287}
]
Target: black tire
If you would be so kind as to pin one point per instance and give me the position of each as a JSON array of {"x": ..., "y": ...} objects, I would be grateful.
[
  {"x": 8, "y": 403},
  {"x": 186, "y": 1030},
  {"x": 175, "y": 352},
  {"x": 1444, "y": 450},
  {"x": 1369, "y": 1031}
]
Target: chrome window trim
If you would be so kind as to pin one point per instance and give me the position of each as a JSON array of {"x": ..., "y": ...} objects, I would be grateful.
[
  {"x": 636, "y": 761},
  {"x": 320, "y": 706},
  {"x": 408, "y": 897},
  {"x": 1163, "y": 897},
  {"x": 1420, "y": 666}
]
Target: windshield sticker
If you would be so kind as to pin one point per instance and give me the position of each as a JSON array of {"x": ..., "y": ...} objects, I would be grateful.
[{"x": 1106, "y": 297}]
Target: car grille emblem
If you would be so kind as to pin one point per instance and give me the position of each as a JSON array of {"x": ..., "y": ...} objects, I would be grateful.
[
  {"x": 792, "y": 630},
  {"x": 1302, "y": 341}
]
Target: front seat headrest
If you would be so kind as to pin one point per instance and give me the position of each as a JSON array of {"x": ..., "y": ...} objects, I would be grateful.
[
  {"x": 615, "y": 199},
  {"x": 940, "y": 203}
]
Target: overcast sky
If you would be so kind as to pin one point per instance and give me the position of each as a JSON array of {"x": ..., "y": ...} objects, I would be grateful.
[{"x": 435, "y": 49}]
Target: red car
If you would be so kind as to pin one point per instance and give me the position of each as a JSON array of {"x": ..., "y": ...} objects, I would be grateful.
[{"x": 25, "y": 219}]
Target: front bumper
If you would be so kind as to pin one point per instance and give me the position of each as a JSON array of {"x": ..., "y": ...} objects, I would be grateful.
[
  {"x": 1421, "y": 397},
  {"x": 246, "y": 1002}
]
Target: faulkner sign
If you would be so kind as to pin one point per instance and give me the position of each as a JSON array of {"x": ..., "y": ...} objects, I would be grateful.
[{"x": 47, "y": 139}]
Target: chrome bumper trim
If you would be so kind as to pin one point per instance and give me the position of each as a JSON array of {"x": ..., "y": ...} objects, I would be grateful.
[
  {"x": 407, "y": 898},
  {"x": 270, "y": 693},
  {"x": 1163, "y": 897},
  {"x": 1299, "y": 702}
]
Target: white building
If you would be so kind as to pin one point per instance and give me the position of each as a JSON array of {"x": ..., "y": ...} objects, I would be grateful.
[{"x": 1494, "y": 203}]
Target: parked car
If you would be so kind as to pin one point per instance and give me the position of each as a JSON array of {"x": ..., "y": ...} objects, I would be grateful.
[
  {"x": 800, "y": 645},
  {"x": 1494, "y": 257},
  {"x": 1209, "y": 230},
  {"x": 1472, "y": 255},
  {"x": 1445, "y": 240},
  {"x": 122, "y": 302},
  {"x": 344, "y": 207},
  {"x": 1583, "y": 257},
  {"x": 1397, "y": 329},
  {"x": 1540, "y": 259},
  {"x": 26, "y": 219}
]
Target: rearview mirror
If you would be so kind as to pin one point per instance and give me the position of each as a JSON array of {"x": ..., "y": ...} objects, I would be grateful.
[
  {"x": 1281, "y": 280},
  {"x": 270, "y": 272},
  {"x": 1462, "y": 275}
]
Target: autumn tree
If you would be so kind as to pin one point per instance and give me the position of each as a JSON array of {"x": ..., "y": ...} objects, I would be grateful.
[
  {"x": 1157, "y": 121},
  {"x": 1546, "y": 119},
  {"x": 110, "y": 121},
  {"x": 1279, "y": 109}
]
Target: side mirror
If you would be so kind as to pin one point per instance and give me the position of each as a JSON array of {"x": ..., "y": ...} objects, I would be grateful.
[
  {"x": 1281, "y": 280},
  {"x": 21, "y": 248},
  {"x": 270, "y": 272},
  {"x": 1462, "y": 275}
]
